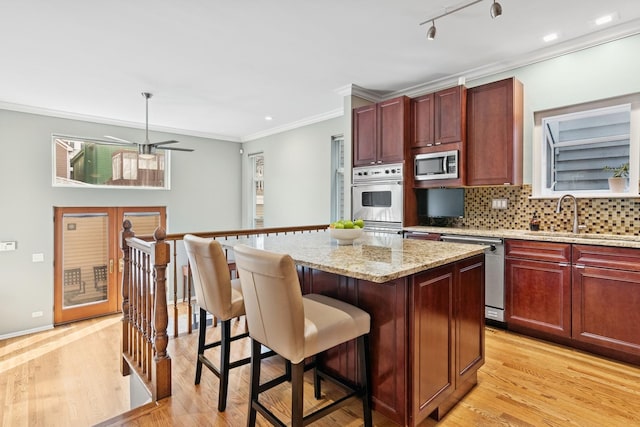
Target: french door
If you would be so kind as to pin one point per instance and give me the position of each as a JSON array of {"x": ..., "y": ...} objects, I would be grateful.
[{"x": 86, "y": 259}]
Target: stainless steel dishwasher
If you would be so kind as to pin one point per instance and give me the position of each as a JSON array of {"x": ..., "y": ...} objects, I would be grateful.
[{"x": 493, "y": 272}]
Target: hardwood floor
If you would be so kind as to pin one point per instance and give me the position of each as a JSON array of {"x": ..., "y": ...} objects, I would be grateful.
[{"x": 69, "y": 377}]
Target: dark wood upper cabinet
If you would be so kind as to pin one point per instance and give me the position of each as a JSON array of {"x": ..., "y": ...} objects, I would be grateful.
[
  {"x": 422, "y": 132},
  {"x": 380, "y": 132},
  {"x": 494, "y": 133},
  {"x": 438, "y": 118},
  {"x": 365, "y": 134},
  {"x": 449, "y": 117}
]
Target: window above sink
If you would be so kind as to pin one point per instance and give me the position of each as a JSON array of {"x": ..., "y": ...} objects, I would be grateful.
[{"x": 575, "y": 147}]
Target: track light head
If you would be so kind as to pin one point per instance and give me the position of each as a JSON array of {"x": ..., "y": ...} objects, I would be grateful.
[
  {"x": 496, "y": 9},
  {"x": 431, "y": 32}
]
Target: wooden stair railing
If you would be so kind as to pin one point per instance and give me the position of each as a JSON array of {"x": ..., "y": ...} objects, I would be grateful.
[
  {"x": 144, "y": 311},
  {"x": 144, "y": 300},
  {"x": 223, "y": 235}
]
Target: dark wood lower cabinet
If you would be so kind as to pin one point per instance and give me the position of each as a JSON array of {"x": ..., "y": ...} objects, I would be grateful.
[
  {"x": 606, "y": 297},
  {"x": 427, "y": 336},
  {"x": 538, "y": 286},
  {"x": 591, "y": 302}
]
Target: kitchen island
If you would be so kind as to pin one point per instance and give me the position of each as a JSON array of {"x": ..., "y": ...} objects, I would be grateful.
[{"x": 426, "y": 301}]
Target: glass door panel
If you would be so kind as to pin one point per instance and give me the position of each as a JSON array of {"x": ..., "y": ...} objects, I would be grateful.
[
  {"x": 85, "y": 263},
  {"x": 85, "y": 249},
  {"x": 87, "y": 281}
]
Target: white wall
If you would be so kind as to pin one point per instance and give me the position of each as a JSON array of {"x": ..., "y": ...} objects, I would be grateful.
[
  {"x": 297, "y": 174},
  {"x": 205, "y": 195}
]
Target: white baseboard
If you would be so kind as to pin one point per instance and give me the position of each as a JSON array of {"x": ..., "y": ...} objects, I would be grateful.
[{"x": 25, "y": 332}]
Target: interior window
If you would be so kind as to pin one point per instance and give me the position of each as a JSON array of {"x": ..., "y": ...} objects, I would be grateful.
[
  {"x": 337, "y": 187},
  {"x": 577, "y": 149},
  {"x": 257, "y": 185}
]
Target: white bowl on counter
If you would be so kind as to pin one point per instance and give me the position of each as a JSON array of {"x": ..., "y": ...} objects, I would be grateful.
[{"x": 346, "y": 236}]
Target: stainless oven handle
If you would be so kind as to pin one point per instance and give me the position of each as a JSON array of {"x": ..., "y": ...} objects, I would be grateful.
[{"x": 445, "y": 164}]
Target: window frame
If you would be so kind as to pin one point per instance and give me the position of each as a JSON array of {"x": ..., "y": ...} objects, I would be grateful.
[
  {"x": 65, "y": 148},
  {"x": 539, "y": 148},
  {"x": 338, "y": 210}
]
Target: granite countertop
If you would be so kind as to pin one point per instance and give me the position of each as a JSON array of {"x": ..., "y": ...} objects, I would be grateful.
[
  {"x": 622, "y": 240},
  {"x": 375, "y": 257}
]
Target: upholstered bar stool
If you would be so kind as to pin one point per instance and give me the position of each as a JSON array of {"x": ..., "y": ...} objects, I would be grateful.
[
  {"x": 297, "y": 327},
  {"x": 218, "y": 294}
]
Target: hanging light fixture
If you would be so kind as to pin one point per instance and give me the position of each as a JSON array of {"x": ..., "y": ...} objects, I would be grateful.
[
  {"x": 431, "y": 32},
  {"x": 495, "y": 10}
]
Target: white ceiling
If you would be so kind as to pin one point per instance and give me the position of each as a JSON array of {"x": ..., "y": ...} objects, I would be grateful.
[{"x": 217, "y": 68}]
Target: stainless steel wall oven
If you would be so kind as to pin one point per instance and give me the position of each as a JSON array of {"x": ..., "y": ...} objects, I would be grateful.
[{"x": 377, "y": 197}]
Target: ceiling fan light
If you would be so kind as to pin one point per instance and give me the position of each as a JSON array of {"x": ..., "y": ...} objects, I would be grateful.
[
  {"x": 496, "y": 9},
  {"x": 431, "y": 32}
]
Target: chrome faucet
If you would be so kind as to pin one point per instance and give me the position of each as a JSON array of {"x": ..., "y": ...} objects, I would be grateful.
[{"x": 575, "y": 210}]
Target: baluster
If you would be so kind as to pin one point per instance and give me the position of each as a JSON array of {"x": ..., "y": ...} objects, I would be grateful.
[
  {"x": 125, "y": 286},
  {"x": 162, "y": 361}
]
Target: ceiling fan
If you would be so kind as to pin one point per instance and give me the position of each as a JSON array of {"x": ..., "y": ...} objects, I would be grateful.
[{"x": 148, "y": 147}]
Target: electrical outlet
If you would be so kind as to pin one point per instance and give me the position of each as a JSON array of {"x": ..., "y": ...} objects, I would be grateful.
[
  {"x": 37, "y": 314},
  {"x": 8, "y": 246},
  {"x": 37, "y": 257},
  {"x": 499, "y": 203}
]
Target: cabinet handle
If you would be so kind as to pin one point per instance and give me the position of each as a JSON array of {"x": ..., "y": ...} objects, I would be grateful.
[
  {"x": 429, "y": 145},
  {"x": 438, "y": 143},
  {"x": 563, "y": 264},
  {"x": 579, "y": 266}
]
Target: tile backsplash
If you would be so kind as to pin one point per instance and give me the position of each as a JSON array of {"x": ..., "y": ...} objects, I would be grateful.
[{"x": 603, "y": 216}]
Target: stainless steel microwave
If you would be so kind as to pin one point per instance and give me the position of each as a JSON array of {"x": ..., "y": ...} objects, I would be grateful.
[{"x": 440, "y": 165}]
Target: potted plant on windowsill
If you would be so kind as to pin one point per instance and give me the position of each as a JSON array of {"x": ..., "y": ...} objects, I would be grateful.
[{"x": 618, "y": 182}]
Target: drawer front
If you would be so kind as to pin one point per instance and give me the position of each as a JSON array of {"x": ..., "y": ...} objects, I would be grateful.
[
  {"x": 607, "y": 257},
  {"x": 538, "y": 251}
]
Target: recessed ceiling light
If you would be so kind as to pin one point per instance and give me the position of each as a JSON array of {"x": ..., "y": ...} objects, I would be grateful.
[
  {"x": 604, "y": 19},
  {"x": 267, "y": 118},
  {"x": 550, "y": 37}
]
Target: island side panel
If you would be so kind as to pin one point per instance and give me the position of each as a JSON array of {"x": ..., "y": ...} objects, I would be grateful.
[
  {"x": 432, "y": 344},
  {"x": 387, "y": 304}
]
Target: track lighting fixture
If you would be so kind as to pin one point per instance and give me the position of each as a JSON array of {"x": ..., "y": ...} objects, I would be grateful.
[
  {"x": 431, "y": 33},
  {"x": 495, "y": 11}
]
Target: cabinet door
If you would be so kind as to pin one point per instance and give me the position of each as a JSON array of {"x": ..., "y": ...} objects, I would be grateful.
[
  {"x": 422, "y": 130},
  {"x": 538, "y": 296},
  {"x": 450, "y": 112},
  {"x": 494, "y": 134},
  {"x": 606, "y": 308},
  {"x": 432, "y": 343},
  {"x": 364, "y": 135},
  {"x": 469, "y": 316},
  {"x": 393, "y": 129}
]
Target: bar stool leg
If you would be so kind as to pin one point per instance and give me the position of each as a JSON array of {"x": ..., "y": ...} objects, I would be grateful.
[
  {"x": 256, "y": 349},
  {"x": 201, "y": 342},
  {"x": 297, "y": 398},
  {"x": 365, "y": 378},
  {"x": 225, "y": 348}
]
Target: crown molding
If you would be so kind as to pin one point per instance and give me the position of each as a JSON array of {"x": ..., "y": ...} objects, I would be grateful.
[
  {"x": 360, "y": 92},
  {"x": 628, "y": 29},
  {"x": 114, "y": 122},
  {"x": 339, "y": 112}
]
